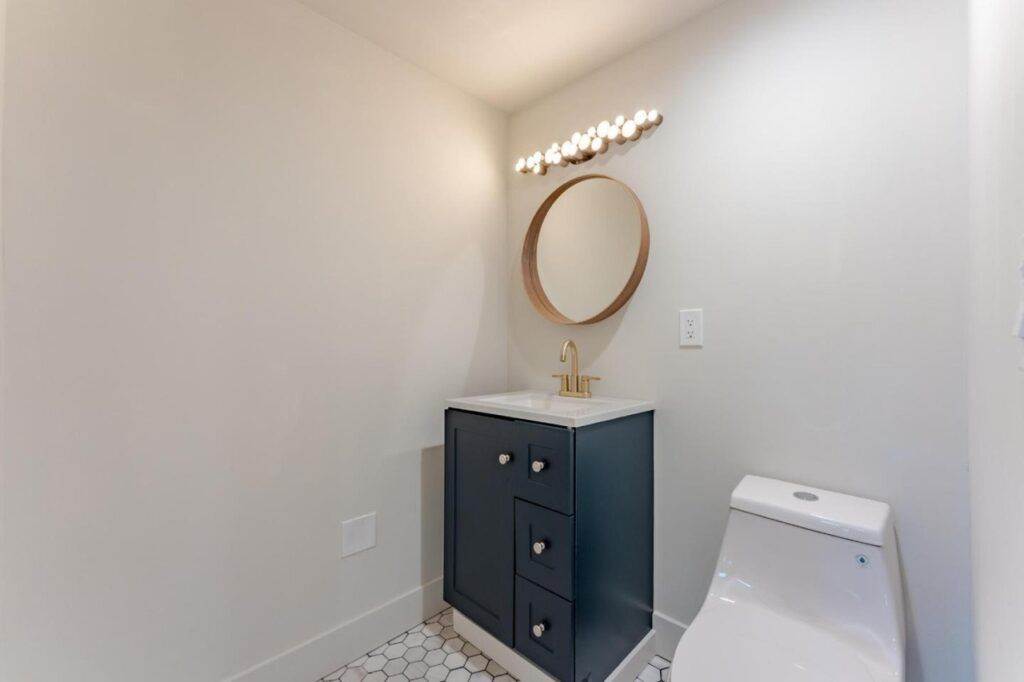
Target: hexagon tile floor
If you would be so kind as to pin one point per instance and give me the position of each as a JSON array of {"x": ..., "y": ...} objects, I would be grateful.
[{"x": 433, "y": 652}]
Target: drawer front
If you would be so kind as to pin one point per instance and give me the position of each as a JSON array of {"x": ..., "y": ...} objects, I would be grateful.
[
  {"x": 545, "y": 546},
  {"x": 552, "y": 647},
  {"x": 549, "y": 478}
]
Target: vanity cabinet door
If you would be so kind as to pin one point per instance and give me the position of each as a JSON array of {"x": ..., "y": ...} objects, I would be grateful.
[{"x": 479, "y": 578}]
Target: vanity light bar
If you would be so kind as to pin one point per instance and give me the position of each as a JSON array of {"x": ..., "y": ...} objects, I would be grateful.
[{"x": 584, "y": 145}]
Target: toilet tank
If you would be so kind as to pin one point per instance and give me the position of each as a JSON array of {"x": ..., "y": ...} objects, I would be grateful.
[{"x": 827, "y": 559}]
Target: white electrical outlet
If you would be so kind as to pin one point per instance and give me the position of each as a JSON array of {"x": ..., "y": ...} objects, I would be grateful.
[
  {"x": 358, "y": 534},
  {"x": 691, "y": 328}
]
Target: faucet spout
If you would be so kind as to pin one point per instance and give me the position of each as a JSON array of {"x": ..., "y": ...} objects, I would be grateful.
[
  {"x": 573, "y": 384},
  {"x": 569, "y": 347}
]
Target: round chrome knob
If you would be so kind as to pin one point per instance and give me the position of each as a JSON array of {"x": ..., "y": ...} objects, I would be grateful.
[
  {"x": 538, "y": 465},
  {"x": 539, "y": 629},
  {"x": 539, "y": 547},
  {"x": 504, "y": 458}
]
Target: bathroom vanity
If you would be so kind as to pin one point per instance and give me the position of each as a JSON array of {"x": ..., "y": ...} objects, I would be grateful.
[{"x": 549, "y": 526}]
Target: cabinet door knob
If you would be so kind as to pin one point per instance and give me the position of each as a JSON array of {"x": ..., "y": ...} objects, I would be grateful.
[
  {"x": 538, "y": 629},
  {"x": 538, "y": 465},
  {"x": 504, "y": 458},
  {"x": 539, "y": 547}
]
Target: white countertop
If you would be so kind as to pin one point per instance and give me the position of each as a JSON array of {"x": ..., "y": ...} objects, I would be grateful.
[{"x": 551, "y": 408}]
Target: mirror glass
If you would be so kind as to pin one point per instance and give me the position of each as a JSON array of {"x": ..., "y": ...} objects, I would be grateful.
[{"x": 590, "y": 250}]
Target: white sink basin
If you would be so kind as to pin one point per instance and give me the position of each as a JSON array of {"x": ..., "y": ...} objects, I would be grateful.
[{"x": 551, "y": 408}]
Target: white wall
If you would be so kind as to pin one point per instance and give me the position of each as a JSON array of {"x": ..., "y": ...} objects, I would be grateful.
[
  {"x": 808, "y": 189},
  {"x": 247, "y": 255},
  {"x": 997, "y": 386}
]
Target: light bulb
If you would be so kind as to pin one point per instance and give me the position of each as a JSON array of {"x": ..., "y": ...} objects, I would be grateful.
[
  {"x": 615, "y": 134},
  {"x": 584, "y": 145},
  {"x": 654, "y": 117},
  {"x": 630, "y": 130},
  {"x": 602, "y": 129},
  {"x": 557, "y": 159},
  {"x": 539, "y": 169},
  {"x": 619, "y": 120},
  {"x": 575, "y": 138},
  {"x": 531, "y": 162},
  {"x": 570, "y": 151},
  {"x": 521, "y": 165},
  {"x": 598, "y": 145},
  {"x": 640, "y": 119}
]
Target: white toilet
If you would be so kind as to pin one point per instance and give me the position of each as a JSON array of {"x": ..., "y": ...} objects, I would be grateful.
[{"x": 807, "y": 589}]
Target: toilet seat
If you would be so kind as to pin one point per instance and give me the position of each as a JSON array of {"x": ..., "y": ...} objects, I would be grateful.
[{"x": 737, "y": 642}]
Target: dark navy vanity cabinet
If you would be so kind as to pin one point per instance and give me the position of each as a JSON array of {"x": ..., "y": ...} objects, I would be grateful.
[{"x": 549, "y": 536}]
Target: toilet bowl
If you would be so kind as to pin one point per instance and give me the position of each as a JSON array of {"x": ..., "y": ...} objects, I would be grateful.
[{"x": 807, "y": 589}]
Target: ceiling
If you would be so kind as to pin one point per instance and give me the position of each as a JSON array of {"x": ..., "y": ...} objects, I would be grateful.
[{"x": 509, "y": 52}]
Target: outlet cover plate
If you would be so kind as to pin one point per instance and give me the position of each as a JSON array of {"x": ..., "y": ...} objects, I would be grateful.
[
  {"x": 358, "y": 534},
  {"x": 691, "y": 328}
]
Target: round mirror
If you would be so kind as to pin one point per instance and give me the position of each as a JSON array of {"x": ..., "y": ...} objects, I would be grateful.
[{"x": 586, "y": 250}]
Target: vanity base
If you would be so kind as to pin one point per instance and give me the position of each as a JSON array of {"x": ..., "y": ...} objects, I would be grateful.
[
  {"x": 549, "y": 537},
  {"x": 525, "y": 671}
]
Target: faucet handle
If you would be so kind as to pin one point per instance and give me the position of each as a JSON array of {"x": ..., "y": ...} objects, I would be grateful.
[
  {"x": 584, "y": 386},
  {"x": 565, "y": 381}
]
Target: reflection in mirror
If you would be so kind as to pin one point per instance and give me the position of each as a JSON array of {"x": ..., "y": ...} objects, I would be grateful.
[
  {"x": 588, "y": 247},
  {"x": 586, "y": 250}
]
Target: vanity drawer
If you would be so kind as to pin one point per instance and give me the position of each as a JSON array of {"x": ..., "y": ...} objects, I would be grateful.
[
  {"x": 549, "y": 468},
  {"x": 544, "y": 628},
  {"x": 553, "y": 535}
]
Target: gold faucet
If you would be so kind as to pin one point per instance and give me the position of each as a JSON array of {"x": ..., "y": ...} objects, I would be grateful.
[{"x": 573, "y": 384}]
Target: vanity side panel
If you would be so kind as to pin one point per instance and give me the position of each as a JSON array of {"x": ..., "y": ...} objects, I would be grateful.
[{"x": 614, "y": 541}]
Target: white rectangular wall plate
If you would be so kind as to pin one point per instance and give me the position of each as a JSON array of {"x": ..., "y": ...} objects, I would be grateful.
[
  {"x": 358, "y": 534},
  {"x": 691, "y": 328}
]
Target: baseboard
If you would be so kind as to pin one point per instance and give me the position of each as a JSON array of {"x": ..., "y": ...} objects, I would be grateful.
[
  {"x": 327, "y": 651},
  {"x": 525, "y": 671},
  {"x": 332, "y": 649},
  {"x": 667, "y": 630}
]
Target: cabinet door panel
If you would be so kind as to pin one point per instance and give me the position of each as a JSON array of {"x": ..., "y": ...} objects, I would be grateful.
[{"x": 479, "y": 542}]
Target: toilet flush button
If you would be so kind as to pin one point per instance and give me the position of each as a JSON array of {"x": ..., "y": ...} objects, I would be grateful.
[{"x": 805, "y": 496}]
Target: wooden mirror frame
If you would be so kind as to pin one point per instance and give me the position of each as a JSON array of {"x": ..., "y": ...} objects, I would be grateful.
[{"x": 531, "y": 275}]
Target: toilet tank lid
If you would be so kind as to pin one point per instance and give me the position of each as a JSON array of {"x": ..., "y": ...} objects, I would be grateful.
[{"x": 844, "y": 516}]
